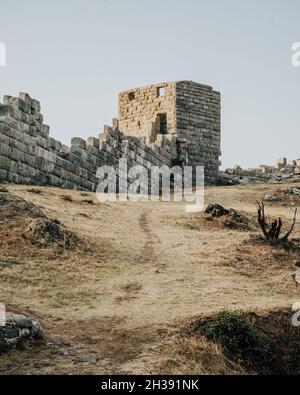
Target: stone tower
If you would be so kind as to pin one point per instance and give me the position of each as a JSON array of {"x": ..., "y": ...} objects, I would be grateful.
[{"x": 186, "y": 110}]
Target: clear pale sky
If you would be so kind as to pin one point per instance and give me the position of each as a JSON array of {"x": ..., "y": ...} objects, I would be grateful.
[{"x": 74, "y": 56}]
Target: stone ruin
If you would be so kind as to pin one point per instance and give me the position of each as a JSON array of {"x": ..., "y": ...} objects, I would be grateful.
[
  {"x": 188, "y": 111},
  {"x": 167, "y": 124},
  {"x": 17, "y": 329},
  {"x": 282, "y": 171}
]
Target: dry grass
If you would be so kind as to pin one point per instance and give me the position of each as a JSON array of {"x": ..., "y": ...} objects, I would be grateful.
[
  {"x": 67, "y": 198},
  {"x": 202, "y": 221},
  {"x": 141, "y": 268},
  {"x": 34, "y": 190},
  {"x": 187, "y": 352}
]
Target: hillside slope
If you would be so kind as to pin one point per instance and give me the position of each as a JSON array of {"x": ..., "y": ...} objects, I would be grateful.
[{"x": 116, "y": 300}]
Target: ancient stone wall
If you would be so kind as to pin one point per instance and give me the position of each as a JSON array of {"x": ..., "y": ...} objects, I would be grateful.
[
  {"x": 198, "y": 121},
  {"x": 140, "y": 110},
  {"x": 166, "y": 124},
  {"x": 17, "y": 328},
  {"x": 28, "y": 155},
  {"x": 191, "y": 112}
]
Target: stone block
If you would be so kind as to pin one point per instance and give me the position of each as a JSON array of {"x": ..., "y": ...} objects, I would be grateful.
[
  {"x": 92, "y": 141},
  {"x": 25, "y": 97},
  {"x": 78, "y": 143}
]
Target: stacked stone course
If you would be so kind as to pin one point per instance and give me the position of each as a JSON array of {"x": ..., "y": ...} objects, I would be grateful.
[
  {"x": 190, "y": 136},
  {"x": 193, "y": 113},
  {"x": 29, "y": 156},
  {"x": 139, "y": 109},
  {"x": 198, "y": 117}
]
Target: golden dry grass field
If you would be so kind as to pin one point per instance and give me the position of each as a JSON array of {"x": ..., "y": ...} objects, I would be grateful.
[{"x": 122, "y": 300}]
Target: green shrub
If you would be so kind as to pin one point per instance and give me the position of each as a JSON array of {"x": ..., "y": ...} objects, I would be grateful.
[{"x": 239, "y": 338}]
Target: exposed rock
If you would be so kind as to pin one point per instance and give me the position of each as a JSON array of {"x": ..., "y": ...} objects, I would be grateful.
[
  {"x": 17, "y": 329},
  {"x": 226, "y": 179},
  {"x": 88, "y": 359},
  {"x": 290, "y": 191},
  {"x": 282, "y": 172},
  {"x": 296, "y": 307},
  {"x": 271, "y": 198},
  {"x": 230, "y": 218},
  {"x": 297, "y": 263},
  {"x": 18, "y": 320},
  {"x": 296, "y": 278},
  {"x": 46, "y": 232},
  {"x": 41, "y": 230},
  {"x": 245, "y": 180},
  {"x": 12, "y": 206}
]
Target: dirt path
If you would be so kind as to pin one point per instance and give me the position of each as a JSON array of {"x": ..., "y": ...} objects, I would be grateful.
[
  {"x": 151, "y": 269},
  {"x": 154, "y": 259},
  {"x": 148, "y": 255}
]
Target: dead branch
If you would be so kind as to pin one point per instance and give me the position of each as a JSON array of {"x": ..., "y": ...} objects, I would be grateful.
[
  {"x": 272, "y": 232},
  {"x": 261, "y": 218},
  {"x": 289, "y": 232}
]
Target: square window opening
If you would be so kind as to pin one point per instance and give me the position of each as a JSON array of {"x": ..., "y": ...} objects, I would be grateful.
[
  {"x": 131, "y": 96},
  {"x": 161, "y": 91}
]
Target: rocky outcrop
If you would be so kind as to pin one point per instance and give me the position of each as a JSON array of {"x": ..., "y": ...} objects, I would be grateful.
[
  {"x": 284, "y": 171},
  {"x": 17, "y": 328},
  {"x": 41, "y": 230},
  {"x": 48, "y": 232}
]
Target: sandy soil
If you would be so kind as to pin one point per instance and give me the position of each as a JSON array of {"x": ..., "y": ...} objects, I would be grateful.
[{"x": 115, "y": 307}]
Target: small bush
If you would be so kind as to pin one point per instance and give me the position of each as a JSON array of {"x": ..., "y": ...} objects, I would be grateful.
[{"x": 239, "y": 338}]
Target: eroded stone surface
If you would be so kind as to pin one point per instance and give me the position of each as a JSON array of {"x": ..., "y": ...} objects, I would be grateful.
[
  {"x": 17, "y": 328},
  {"x": 190, "y": 135}
]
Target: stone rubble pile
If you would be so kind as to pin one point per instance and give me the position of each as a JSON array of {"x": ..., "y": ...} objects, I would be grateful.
[
  {"x": 290, "y": 191},
  {"x": 284, "y": 171},
  {"x": 17, "y": 329},
  {"x": 47, "y": 232}
]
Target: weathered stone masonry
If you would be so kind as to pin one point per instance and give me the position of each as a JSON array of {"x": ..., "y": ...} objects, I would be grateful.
[
  {"x": 189, "y": 133},
  {"x": 191, "y": 112},
  {"x": 198, "y": 122},
  {"x": 29, "y": 156}
]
